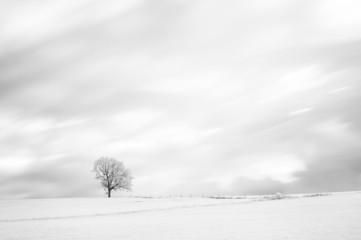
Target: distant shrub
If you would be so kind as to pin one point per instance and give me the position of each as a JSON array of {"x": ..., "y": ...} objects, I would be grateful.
[
  {"x": 279, "y": 195},
  {"x": 228, "y": 197},
  {"x": 317, "y": 195}
]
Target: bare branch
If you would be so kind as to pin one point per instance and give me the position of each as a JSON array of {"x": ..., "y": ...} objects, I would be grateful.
[{"x": 112, "y": 175}]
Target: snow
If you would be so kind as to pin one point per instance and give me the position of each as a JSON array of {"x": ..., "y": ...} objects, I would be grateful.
[{"x": 336, "y": 216}]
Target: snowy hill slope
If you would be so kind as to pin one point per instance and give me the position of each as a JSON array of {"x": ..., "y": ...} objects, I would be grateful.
[{"x": 328, "y": 217}]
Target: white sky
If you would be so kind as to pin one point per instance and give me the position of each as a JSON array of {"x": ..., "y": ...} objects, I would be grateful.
[{"x": 195, "y": 97}]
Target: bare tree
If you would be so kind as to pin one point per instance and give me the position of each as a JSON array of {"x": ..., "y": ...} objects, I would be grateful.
[{"x": 112, "y": 175}]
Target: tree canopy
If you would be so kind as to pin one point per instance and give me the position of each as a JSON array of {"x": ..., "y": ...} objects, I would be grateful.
[{"x": 112, "y": 175}]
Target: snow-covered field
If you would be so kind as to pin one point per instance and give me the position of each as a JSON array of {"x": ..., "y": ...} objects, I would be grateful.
[{"x": 337, "y": 216}]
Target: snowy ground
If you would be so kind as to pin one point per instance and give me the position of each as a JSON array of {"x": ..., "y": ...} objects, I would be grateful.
[{"x": 337, "y": 216}]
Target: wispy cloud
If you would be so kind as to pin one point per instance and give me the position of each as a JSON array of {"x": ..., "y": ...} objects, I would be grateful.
[
  {"x": 300, "y": 111},
  {"x": 194, "y": 96},
  {"x": 337, "y": 90}
]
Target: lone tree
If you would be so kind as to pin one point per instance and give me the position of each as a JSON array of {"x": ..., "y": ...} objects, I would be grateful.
[{"x": 112, "y": 175}]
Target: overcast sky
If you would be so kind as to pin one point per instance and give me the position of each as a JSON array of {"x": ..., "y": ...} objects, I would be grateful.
[{"x": 194, "y": 96}]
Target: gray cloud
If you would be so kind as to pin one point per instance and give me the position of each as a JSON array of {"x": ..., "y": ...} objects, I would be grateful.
[
  {"x": 197, "y": 97},
  {"x": 52, "y": 177}
]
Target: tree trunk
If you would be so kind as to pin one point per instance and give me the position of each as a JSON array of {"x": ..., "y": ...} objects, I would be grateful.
[{"x": 109, "y": 193}]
